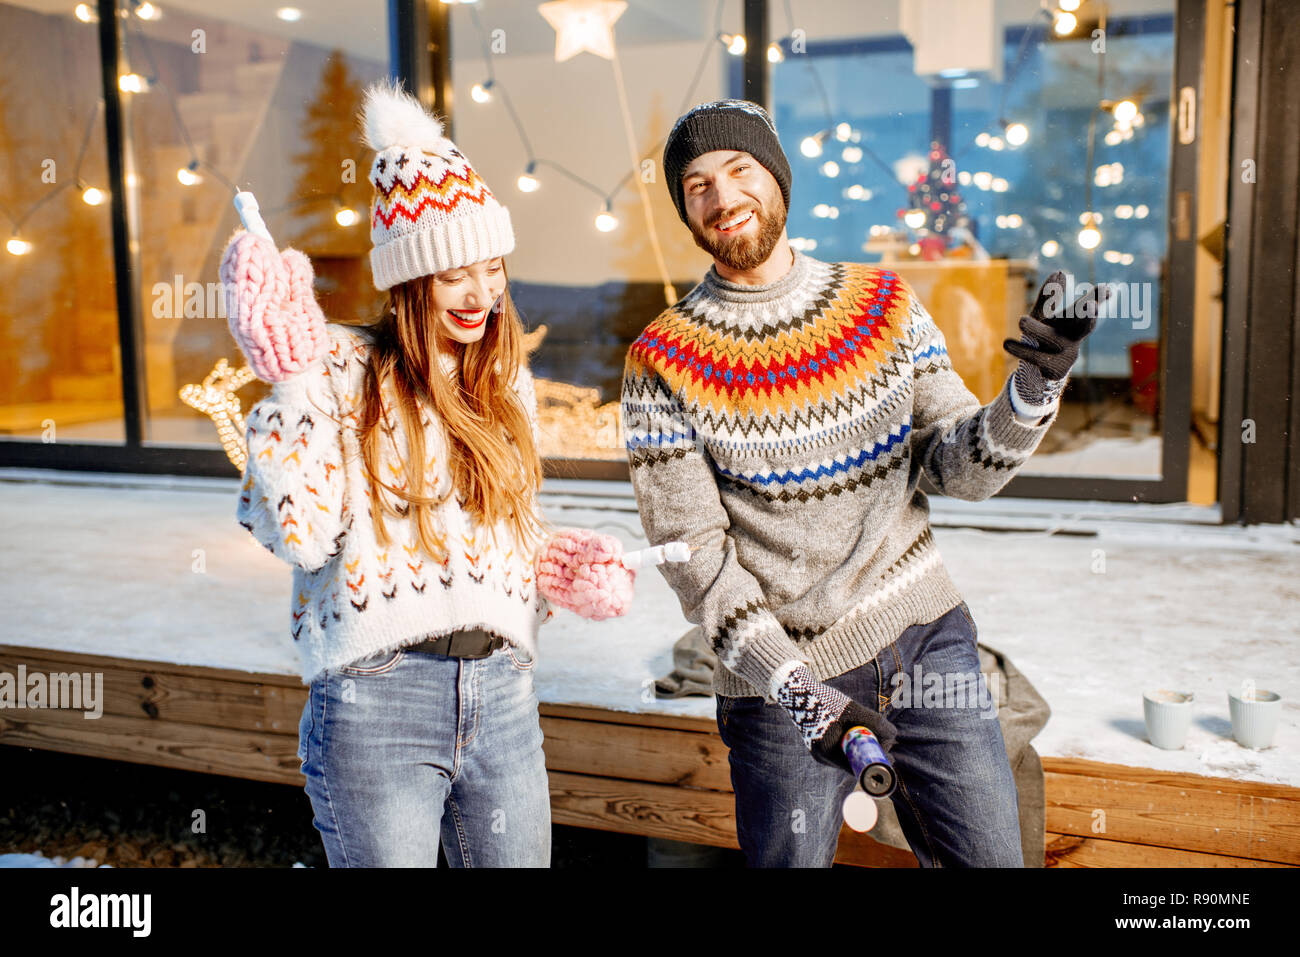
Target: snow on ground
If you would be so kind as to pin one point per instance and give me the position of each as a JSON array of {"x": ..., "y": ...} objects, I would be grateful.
[
  {"x": 1132, "y": 599},
  {"x": 40, "y": 860}
]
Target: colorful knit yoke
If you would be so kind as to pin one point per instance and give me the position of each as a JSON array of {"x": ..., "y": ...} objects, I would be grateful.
[{"x": 783, "y": 429}]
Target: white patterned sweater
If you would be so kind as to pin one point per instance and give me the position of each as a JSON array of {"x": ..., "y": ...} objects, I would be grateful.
[{"x": 305, "y": 496}]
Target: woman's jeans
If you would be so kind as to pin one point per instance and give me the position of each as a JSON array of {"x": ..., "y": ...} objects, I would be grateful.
[
  {"x": 956, "y": 798},
  {"x": 404, "y": 748}
]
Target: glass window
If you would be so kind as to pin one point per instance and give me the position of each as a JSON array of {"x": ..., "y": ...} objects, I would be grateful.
[
  {"x": 990, "y": 152},
  {"x": 550, "y": 140},
  {"x": 60, "y": 363},
  {"x": 265, "y": 98}
]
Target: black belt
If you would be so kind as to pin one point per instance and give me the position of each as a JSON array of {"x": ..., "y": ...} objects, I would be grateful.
[{"x": 469, "y": 643}]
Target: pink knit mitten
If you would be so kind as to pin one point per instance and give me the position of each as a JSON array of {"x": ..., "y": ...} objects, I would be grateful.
[
  {"x": 582, "y": 571},
  {"x": 270, "y": 307}
]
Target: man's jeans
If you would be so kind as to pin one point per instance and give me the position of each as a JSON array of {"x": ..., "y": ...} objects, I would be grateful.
[
  {"x": 404, "y": 747},
  {"x": 956, "y": 798}
]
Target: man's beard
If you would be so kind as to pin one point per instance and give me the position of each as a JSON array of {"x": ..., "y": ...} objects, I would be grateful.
[{"x": 742, "y": 252}]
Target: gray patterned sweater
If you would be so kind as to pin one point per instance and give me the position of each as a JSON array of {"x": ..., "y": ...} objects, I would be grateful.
[{"x": 782, "y": 431}]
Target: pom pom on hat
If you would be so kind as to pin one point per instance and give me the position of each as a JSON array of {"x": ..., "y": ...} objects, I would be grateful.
[{"x": 392, "y": 117}]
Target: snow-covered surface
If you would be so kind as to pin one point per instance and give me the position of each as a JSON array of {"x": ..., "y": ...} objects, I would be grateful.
[
  {"x": 1132, "y": 598},
  {"x": 38, "y": 859}
]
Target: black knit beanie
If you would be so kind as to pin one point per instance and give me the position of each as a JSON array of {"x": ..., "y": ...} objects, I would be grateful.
[{"x": 724, "y": 125}]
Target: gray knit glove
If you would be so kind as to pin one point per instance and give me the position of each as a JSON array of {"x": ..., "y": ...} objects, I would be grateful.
[
  {"x": 1049, "y": 344},
  {"x": 823, "y": 714}
]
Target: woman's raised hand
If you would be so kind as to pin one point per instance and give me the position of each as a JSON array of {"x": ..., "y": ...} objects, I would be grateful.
[{"x": 271, "y": 309}]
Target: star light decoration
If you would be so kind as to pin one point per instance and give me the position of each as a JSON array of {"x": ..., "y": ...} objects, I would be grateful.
[
  {"x": 216, "y": 398},
  {"x": 583, "y": 25}
]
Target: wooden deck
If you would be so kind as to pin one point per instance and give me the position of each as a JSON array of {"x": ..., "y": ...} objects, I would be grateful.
[{"x": 655, "y": 775}]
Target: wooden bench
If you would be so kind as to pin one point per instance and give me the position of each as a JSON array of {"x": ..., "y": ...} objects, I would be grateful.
[{"x": 651, "y": 774}]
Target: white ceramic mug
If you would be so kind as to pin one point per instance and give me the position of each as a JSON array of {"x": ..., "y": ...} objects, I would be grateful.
[
  {"x": 1168, "y": 716},
  {"x": 1254, "y": 716}
]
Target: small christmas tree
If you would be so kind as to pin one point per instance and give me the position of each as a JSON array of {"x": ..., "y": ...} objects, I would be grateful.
[{"x": 935, "y": 194}]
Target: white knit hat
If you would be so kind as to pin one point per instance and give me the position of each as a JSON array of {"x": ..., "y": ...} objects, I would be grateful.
[{"x": 431, "y": 210}]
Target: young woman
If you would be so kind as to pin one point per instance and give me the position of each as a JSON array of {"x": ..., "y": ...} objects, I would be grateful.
[{"x": 396, "y": 467}]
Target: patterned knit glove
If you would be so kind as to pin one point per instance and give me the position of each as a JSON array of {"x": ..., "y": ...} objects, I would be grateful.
[
  {"x": 270, "y": 307},
  {"x": 1049, "y": 344},
  {"x": 582, "y": 570},
  {"x": 823, "y": 714}
]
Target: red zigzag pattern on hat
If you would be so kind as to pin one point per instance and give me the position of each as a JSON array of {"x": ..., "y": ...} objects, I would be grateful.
[{"x": 439, "y": 194}]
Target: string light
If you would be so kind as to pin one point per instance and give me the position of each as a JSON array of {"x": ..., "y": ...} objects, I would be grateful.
[
  {"x": 851, "y": 154},
  {"x": 734, "y": 42},
  {"x": 1050, "y": 248},
  {"x": 132, "y": 83},
  {"x": 18, "y": 247},
  {"x": 289, "y": 14},
  {"x": 831, "y": 168},
  {"x": 92, "y": 196},
  {"x": 1124, "y": 112},
  {"x": 1090, "y": 235},
  {"x": 482, "y": 92},
  {"x": 811, "y": 146},
  {"x": 187, "y": 176},
  {"x": 1017, "y": 134},
  {"x": 774, "y": 53},
  {"x": 528, "y": 183},
  {"x": 86, "y": 13},
  {"x": 606, "y": 221},
  {"x": 146, "y": 11},
  {"x": 1064, "y": 23},
  {"x": 346, "y": 216}
]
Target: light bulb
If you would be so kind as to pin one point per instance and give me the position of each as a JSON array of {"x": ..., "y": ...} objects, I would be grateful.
[
  {"x": 1089, "y": 237},
  {"x": 996, "y": 144},
  {"x": 1064, "y": 24},
  {"x": 982, "y": 140},
  {"x": 843, "y": 132},
  {"x": 831, "y": 168},
  {"x": 811, "y": 146},
  {"x": 132, "y": 83},
  {"x": 774, "y": 54},
  {"x": 526, "y": 183},
  {"x": 606, "y": 221},
  {"x": 1068, "y": 5},
  {"x": 146, "y": 11},
  {"x": 188, "y": 177},
  {"x": 1017, "y": 134},
  {"x": 1112, "y": 256},
  {"x": 18, "y": 247},
  {"x": 999, "y": 185},
  {"x": 92, "y": 196},
  {"x": 1050, "y": 248},
  {"x": 1114, "y": 138},
  {"x": 86, "y": 13},
  {"x": 856, "y": 191},
  {"x": 852, "y": 154},
  {"x": 289, "y": 14},
  {"x": 480, "y": 93},
  {"x": 735, "y": 43},
  {"x": 1125, "y": 111},
  {"x": 346, "y": 217},
  {"x": 1141, "y": 211},
  {"x": 915, "y": 218}
]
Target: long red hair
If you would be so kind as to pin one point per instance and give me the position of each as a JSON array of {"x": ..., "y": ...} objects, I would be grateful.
[{"x": 494, "y": 463}]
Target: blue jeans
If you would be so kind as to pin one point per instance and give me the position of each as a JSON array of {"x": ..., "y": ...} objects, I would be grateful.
[
  {"x": 402, "y": 749},
  {"x": 956, "y": 798}
]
